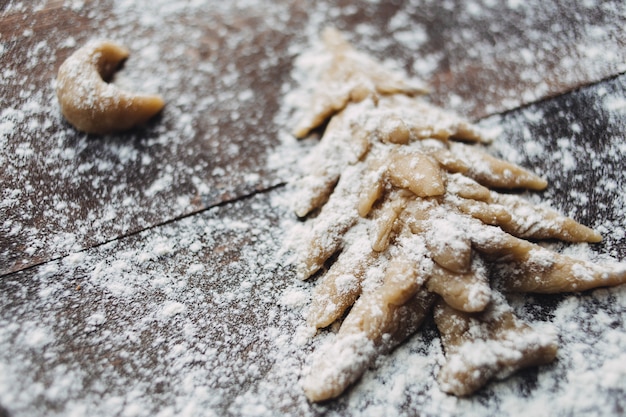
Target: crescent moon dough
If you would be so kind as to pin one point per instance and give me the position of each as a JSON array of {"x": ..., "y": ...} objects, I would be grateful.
[{"x": 92, "y": 105}]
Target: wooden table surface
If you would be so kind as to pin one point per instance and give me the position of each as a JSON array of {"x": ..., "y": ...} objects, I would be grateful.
[{"x": 140, "y": 273}]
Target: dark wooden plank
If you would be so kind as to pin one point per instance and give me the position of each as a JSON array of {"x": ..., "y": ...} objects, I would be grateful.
[
  {"x": 221, "y": 67},
  {"x": 483, "y": 57},
  {"x": 578, "y": 143},
  {"x": 121, "y": 311},
  {"x": 204, "y": 315}
]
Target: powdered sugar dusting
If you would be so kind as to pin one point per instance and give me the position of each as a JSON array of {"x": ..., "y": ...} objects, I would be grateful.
[
  {"x": 202, "y": 316},
  {"x": 172, "y": 167},
  {"x": 507, "y": 350}
]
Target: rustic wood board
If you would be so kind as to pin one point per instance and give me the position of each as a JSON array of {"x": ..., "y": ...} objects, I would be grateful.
[
  {"x": 121, "y": 294},
  {"x": 222, "y": 67},
  {"x": 192, "y": 317}
]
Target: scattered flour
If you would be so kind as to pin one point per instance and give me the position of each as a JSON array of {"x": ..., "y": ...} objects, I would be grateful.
[{"x": 135, "y": 328}]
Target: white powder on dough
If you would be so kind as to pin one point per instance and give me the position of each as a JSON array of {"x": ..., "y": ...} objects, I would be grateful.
[
  {"x": 86, "y": 334},
  {"x": 513, "y": 394}
]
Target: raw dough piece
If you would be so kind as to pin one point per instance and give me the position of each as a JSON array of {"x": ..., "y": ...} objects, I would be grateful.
[
  {"x": 491, "y": 344},
  {"x": 349, "y": 76},
  {"x": 401, "y": 191},
  {"x": 378, "y": 321},
  {"x": 92, "y": 105}
]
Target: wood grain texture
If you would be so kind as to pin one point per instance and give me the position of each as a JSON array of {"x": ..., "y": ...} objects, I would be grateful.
[
  {"x": 118, "y": 287},
  {"x": 191, "y": 312},
  {"x": 221, "y": 69}
]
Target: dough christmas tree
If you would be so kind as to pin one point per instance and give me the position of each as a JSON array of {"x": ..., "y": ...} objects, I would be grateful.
[{"x": 401, "y": 196}]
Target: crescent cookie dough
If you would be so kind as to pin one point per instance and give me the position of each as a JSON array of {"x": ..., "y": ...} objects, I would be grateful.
[
  {"x": 403, "y": 220},
  {"x": 91, "y": 104}
]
